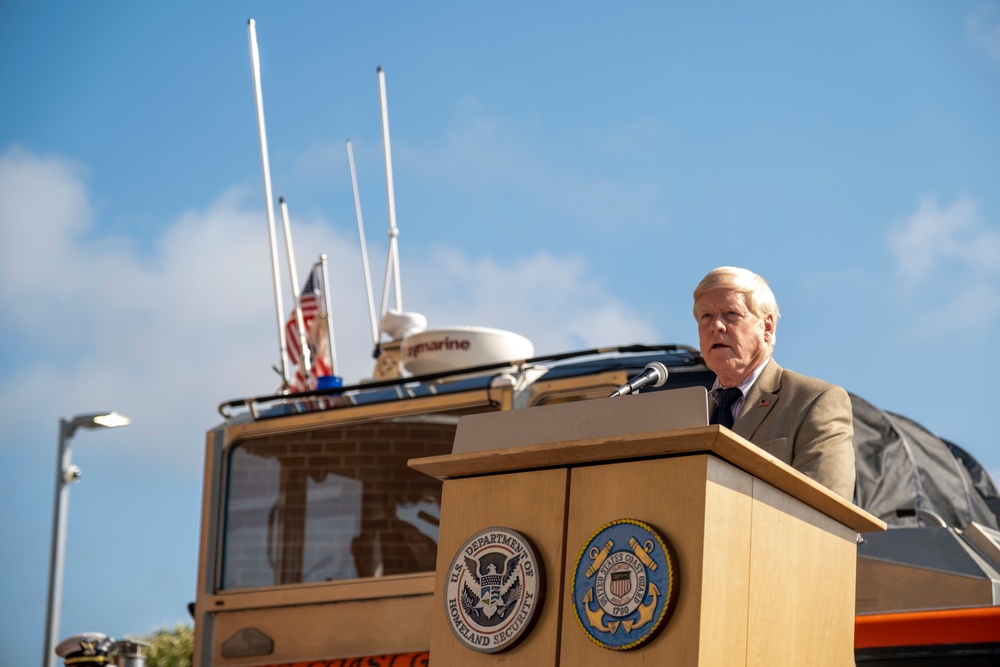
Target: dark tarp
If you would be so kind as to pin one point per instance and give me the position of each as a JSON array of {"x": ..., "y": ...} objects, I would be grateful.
[
  {"x": 902, "y": 467},
  {"x": 980, "y": 478}
]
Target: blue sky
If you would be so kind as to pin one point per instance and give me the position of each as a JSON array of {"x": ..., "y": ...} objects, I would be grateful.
[{"x": 568, "y": 172}]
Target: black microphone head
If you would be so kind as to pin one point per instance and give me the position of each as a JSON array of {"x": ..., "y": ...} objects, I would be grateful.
[{"x": 661, "y": 370}]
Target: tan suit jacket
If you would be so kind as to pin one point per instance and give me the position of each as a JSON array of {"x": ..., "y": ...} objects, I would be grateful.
[{"x": 804, "y": 422}]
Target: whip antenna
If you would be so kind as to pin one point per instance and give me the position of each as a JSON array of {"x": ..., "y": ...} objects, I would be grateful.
[
  {"x": 392, "y": 264},
  {"x": 268, "y": 199},
  {"x": 364, "y": 250}
]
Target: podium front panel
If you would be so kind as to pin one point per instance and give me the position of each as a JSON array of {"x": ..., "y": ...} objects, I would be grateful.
[
  {"x": 531, "y": 503},
  {"x": 702, "y": 507}
]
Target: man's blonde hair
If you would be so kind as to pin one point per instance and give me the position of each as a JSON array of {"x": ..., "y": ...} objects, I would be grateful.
[{"x": 756, "y": 293}]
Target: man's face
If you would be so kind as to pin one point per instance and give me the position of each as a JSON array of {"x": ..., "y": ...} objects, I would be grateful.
[{"x": 733, "y": 339}]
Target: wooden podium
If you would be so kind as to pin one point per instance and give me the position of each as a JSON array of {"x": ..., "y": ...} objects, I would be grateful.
[{"x": 765, "y": 556}]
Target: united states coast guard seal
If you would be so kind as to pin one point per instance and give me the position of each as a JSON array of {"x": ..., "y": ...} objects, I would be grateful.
[
  {"x": 624, "y": 585},
  {"x": 493, "y": 591}
]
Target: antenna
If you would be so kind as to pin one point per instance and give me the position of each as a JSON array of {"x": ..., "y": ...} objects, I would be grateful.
[
  {"x": 364, "y": 250},
  {"x": 268, "y": 199},
  {"x": 392, "y": 263}
]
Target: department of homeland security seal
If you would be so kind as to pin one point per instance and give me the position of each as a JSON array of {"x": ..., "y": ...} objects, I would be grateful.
[
  {"x": 624, "y": 584},
  {"x": 493, "y": 591}
]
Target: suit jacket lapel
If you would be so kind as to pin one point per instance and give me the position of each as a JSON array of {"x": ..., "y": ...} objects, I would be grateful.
[{"x": 762, "y": 398}]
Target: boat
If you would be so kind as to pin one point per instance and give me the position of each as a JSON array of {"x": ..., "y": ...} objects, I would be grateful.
[{"x": 313, "y": 519}]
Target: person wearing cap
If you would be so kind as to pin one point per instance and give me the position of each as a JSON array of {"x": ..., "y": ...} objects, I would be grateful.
[
  {"x": 87, "y": 649},
  {"x": 802, "y": 421}
]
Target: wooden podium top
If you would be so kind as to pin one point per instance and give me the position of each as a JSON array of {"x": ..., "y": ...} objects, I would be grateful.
[{"x": 715, "y": 440}]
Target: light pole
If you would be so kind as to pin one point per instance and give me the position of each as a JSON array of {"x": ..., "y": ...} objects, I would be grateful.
[{"x": 66, "y": 474}]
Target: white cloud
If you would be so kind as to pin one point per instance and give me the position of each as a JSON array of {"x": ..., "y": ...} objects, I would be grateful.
[
  {"x": 951, "y": 258},
  {"x": 983, "y": 26},
  {"x": 551, "y": 300},
  {"x": 934, "y": 238},
  {"x": 165, "y": 335},
  {"x": 43, "y": 207},
  {"x": 973, "y": 309}
]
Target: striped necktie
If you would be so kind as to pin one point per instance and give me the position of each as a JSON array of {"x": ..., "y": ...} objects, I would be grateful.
[{"x": 723, "y": 413}]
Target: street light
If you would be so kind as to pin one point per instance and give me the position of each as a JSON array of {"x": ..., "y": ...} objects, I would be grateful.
[{"x": 66, "y": 474}]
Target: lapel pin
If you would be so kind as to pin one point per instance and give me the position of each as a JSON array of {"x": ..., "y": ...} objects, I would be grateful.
[{"x": 764, "y": 402}]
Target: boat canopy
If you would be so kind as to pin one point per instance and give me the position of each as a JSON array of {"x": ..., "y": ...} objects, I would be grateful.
[{"x": 909, "y": 477}]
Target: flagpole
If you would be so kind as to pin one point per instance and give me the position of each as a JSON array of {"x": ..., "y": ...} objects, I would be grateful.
[
  {"x": 364, "y": 250},
  {"x": 268, "y": 200},
  {"x": 293, "y": 275},
  {"x": 329, "y": 314},
  {"x": 393, "y": 262}
]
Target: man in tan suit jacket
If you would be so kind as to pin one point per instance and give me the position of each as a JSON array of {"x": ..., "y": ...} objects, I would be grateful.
[{"x": 802, "y": 421}]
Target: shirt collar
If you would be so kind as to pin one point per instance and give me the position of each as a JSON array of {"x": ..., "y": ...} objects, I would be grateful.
[{"x": 746, "y": 384}]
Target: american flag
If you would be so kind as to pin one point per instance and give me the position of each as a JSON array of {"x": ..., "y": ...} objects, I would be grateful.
[{"x": 311, "y": 300}]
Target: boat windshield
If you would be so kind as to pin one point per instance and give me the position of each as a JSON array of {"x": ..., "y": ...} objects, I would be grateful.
[{"x": 333, "y": 503}]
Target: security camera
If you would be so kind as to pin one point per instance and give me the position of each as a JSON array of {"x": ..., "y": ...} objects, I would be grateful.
[{"x": 72, "y": 474}]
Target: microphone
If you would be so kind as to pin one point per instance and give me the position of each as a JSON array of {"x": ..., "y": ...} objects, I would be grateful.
[{"x": 654, "y": 373}]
